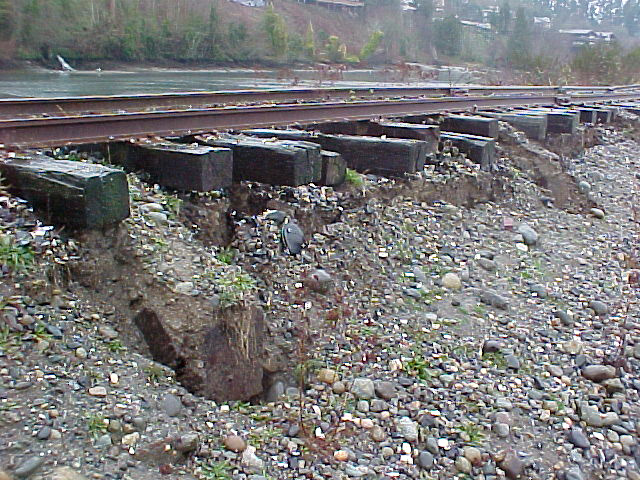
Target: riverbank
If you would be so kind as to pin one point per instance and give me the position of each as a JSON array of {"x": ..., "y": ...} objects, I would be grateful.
[{"x": 468, "y": 324}]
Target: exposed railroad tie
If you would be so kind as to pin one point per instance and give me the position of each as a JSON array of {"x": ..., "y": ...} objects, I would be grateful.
[{"x": 84, "y": 128}]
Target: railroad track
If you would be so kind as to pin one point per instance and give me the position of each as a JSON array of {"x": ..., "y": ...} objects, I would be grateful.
[
  {"x": 12, "y": 107},
  {"x": 36, "y": 126}
]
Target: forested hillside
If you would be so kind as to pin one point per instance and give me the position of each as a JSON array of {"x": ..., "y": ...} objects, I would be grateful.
[{"x": 525, "y": 36}]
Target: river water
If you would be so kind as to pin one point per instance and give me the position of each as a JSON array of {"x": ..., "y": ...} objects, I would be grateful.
[{"x": 47, "y": 83}]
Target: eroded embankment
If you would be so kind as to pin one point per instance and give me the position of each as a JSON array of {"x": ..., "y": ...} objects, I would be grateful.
[{"x": 455, "y": 323}]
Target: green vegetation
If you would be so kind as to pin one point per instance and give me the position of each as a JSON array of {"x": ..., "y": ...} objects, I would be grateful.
[
  {"x": 215, "y": 471},
  {"x": 154, "y": 373},
  {"x": 471, "y": 433},
  {"x": 227, "y": 255},
  {"x": 17, "y": 258},
  {"x": 96, "y": 424},
  {"x": 354, "y": 178},
  {"x": 234, "y": 286},
  {"x": 418, "y": 366},
  {"x": 115, "y": 346}
]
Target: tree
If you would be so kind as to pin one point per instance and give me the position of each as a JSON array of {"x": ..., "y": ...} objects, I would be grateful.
[
  {"x": 310, "y": 42},
  {"x": 631, "y": 16},
  {"x": 276, "y": 31},
  {"x": 7, "y": 19},
  {"x": 448, "y": 36},
  {"x": 518, "y": 50},
  {"x": 504, "y": 17},
  {"x": 372, "y": 44}
]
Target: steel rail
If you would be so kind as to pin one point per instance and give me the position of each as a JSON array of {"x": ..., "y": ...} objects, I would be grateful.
[
  {"x": 67, "y": 130},
  {"x": 11, "y": 107},
  {"x": 76, "y": 129},
  {"x": 109, "y": 103}
]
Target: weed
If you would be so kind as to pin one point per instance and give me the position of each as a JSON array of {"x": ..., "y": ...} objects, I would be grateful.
[
  {"x": 154, "y": 372},
  {"x": 496, "y": 358},
  {"x": 227, "y": 255},
  {"x": 471, "y": 433},
  {"x": 96, "y": 424},
  {"x": 115, "y": 346},
  {"x": 40, "y": 333},
  {"x": 17, "y": 258},
  {"x": 234, "y": 286},
  {"x": 480, "y": 309},
  {"x": 161, "y": 243},
  {"x": 241, "y": 407},
  {"x": 173, "y": 205},
  {"x": 354, "y": 178},
  {"x": 215, "y": 471},
  {"x": 419, "y": 367},
  {"x": 262, "y": 436},
  {"x": 463, "y": 311}
]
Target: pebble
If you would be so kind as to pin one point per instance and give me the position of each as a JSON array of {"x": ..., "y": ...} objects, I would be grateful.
[
  {"x": 235, "y": 443},
  {"x": 512, "y": 465},
  {"x": 425, "y": 460},
  {"x": 171, "y": 405},
  {"x": 407, "y": 429},
  {"x": 66, "y": 473},
  {"x": 451, "y": 281},
  {"x": 598, "y": 373},
  {"x": 363, "y": 388},
  {"x": 578, "y": 438},
  {"x": 529, "y": 235},
  {"x": 598, "y": 213},
  {"x": 599, "y": 307},
  {"x": 328, "y": 376},
  {"x": 28, "y": 467},
  {"x": 463, "y": 465},
  {"x": 98, "y": 391}
]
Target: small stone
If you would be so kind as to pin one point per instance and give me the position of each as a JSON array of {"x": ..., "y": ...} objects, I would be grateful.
[
  {"x": 489, "y": 297},
  {"x": 463, "y": 465},
  {"x": 578, "y": 438},
  {"x": 378, "y": 434},
  {"x": 107, "y": 332},
  {"x": 385, "y": 390},
  {"x": 103, "y": 441},
  {"x": 491, "y": 346},
  {"x": 44, "y": 433},
  {"x": 425, "y": 460},
  {"x": 488, "y": 265},
  {"x": 529, "y": 235},
  {"x": 474, "y": 455},
  {"x": 66, "y": 473},
  {"x": 502, "y": 429},
  {"x": 599, "y": 307},
  {"x": 363, "y": 388},
  {"x": 407, "y": 429},
  {"x": 341, "y": 455},
  {"x": 572, "y": 347},
  {"x": 157, "y": 218},
  {"x": 512, "y": 465},
  {"x": 251, "y": 460},
  {"x": 328, "y": 376},
  {"x": 28, "y": 467},
  {"x": 513, "y": 362},
  {"x": 598, "y": 213},
  {"x": 339, "y": 388},
  {"x": 184, "y": 288},
  {"x": 503, "y": 403},
  {"x": 235, "y": 443},
  {"x": 131, "y": 439},
  {"x": 573, "y": 474},
  {"x": 318, "y": 281},
  {"x": 613, "y": 385},
  {"x": 598, "y": 373},
  {"x": 584, "y": 186},
  {"x": 4, "y": 475},
  {"x": 451, "y": 281},
  {"x": 98, "y": 391},
  {"x": 387, "y": 452},
  {"x": 81, "y": 353},
  {"x": 171, "y": 405}
]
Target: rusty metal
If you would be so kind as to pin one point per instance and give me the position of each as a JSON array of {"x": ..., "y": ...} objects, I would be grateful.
[
  {"x": 65, "y": 130},
  {"x": 102, "y": 104},
  {"x": 11, "y": 107},
  {"x": 76, "y": 129}
]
